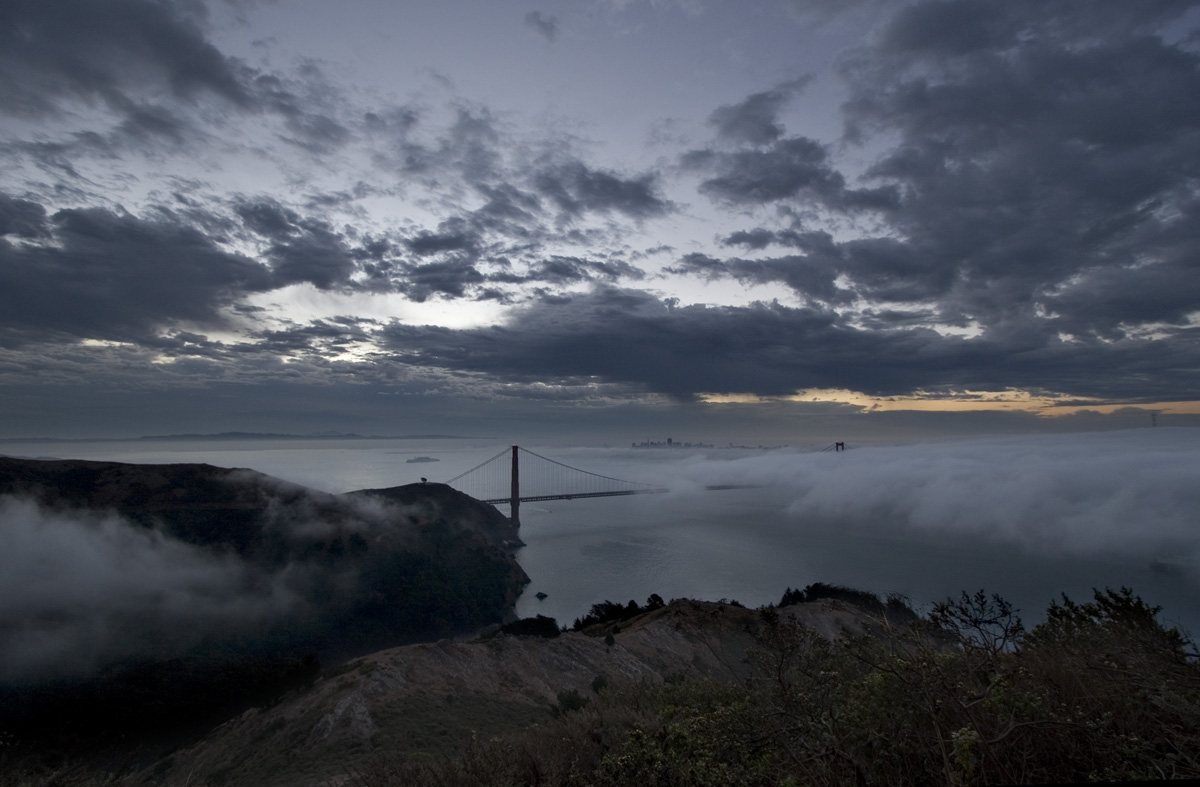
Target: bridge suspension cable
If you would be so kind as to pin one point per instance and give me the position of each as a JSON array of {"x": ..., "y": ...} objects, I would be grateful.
[{"x": 498, "y": 481}]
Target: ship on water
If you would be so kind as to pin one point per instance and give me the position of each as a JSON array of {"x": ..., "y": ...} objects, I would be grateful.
[{"x": 420, "y": 459}]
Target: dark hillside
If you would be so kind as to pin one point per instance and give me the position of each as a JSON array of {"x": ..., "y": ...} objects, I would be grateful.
[
  {"x": 162, "y": 596},
  {"x": 432, "y": 501}
]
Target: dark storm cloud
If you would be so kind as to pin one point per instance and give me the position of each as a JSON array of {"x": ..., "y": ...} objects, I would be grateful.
[
  {"x": 450, "y": 278},
  {"x": 1035, "y": 181},
  {"x": 577, "y": 189},
  {"x": 113, "y": 276},
  {"x": 303, "y": 248},
  {"x": 334, "y": 335},
  {"x": 151, "y": 66},
  {"x": 791, "y": 168},
  {"x": 631, "y": 338},
  {"x": 754, "y": 120},
  {"x": 879, "y": 269},
  {"x": 755, "y": 239},
  {"x": 545, "y": 26},
  {"x": 426, "y": 243},
  {"x": 307, "y": 104},
  {"x": 318, "y": 255},
  {"x": 562, "y": 271},
  {"x": 1025, "y": 177},
  {"x": 806, "y": 276},
  {"x": 79, "y": 49},
  {"x": 22, "y": 218},
  {"x": 268, "y": 218}
]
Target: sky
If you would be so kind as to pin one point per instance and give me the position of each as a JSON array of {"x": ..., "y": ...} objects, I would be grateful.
[{"x": 777, "y": 220}]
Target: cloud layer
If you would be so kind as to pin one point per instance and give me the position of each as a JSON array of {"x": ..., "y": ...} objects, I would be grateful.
[
  {"x": 962, "y": 196},
  {"x": 1124, "y": 495}
]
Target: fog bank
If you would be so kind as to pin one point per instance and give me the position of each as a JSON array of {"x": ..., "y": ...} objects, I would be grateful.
[{"x": 1132, "y": 493}]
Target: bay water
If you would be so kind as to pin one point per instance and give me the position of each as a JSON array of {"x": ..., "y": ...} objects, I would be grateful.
[{"x": 807, "y": 517}]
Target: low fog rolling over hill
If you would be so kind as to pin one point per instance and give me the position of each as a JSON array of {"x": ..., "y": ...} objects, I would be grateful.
[
  {"x": 1132, "y": 493},
  {"x": 111, "y": 569}
]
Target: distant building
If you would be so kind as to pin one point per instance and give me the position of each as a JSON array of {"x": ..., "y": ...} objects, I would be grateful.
[{"x": 670, "y": 443}]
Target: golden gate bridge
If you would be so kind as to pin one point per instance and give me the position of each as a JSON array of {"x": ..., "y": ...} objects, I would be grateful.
[{"x": 505, "y": 479}]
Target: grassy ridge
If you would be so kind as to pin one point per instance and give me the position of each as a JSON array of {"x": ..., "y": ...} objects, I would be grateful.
[{"x": 1100, "y": 691}]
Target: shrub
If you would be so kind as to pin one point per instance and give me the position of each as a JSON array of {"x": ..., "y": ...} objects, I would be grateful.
[
  {"x": 570, "y": 700},
  {"x": 539, "y": 626}
]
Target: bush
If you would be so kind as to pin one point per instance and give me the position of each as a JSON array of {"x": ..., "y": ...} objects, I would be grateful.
[
  {"x": 611, "y": 612},
  {"x": 570, "y": 700},
  {"x": 895, "y": 610},
  {"x": 1100, "y": 691},
  {"x": 539, "y": 626}
]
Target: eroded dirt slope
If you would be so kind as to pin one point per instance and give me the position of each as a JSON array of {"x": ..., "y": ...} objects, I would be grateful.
[{"x": 433, "y": 697}]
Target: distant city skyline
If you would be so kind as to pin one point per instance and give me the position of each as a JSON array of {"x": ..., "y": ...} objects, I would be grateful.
[{"x": 788, "y": 221}]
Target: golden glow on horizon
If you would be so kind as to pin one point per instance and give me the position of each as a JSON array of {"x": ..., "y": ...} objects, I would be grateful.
[{"x": 965, "y": 401}]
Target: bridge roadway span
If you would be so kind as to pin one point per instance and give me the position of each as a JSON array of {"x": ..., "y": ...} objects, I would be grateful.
[
  {"x": 535, "y": 498},
  {"x": 497, "y": 470}
]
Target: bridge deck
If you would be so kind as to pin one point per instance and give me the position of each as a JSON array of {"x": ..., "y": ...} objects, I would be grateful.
[{"x": 536, "y": 498}]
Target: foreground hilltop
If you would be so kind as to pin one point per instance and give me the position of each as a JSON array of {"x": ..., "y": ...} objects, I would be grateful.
[
  {"x": 434, "y": 698},
  {"x": 832, "y": 687}
]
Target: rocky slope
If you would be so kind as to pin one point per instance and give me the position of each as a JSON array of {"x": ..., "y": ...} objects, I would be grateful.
[{"x": 433, "y": 697}]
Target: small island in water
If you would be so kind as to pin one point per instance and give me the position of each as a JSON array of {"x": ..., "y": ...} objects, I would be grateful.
[{"x": 419, "y": 459}]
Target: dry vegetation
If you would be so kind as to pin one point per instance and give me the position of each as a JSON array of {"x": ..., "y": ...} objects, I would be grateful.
[{"x": 1100, "y": 691}]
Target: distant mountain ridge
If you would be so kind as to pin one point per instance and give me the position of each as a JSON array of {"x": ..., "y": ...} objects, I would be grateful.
[{"x": 244, "y": 436}]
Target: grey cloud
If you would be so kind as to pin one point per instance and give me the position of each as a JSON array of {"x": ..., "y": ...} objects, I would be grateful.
[
  {"x": 576, "y": 189},
  {"x": 1109, "y": 301},
  {"x": 1052, "y": 177},
  {"x": 632, "y": 338},
  {"x": 473, "y": 142},
  {"x": 879, "y": 269},
  {"x": 806, "y": 275},
  {"x": 507, "y": 203},
  {"x": 754, "y": 119},
  {"x": 22, "y": 218},
  {"x": 560, "y": 271},
  {"x": 791, "y": 168},
  {"x": 450, "y": 278},
  {"x": 268, "y": 218},
  {"x": 466, "y": 155},
  {"x": 316, "y": 133},
  {"x": 86, "y": 50},
  {"x": 952, "y": 27},
  {"x": 426, "y": 243},
  {"x": 545, "y": 26},
  {"x": 105, "y": 275},
  {"x": 306, "y": 249},
  {"x": 334, "y": 335},
  {"x": 307, "y": 106},
  {"x": 755, "y": 239},
  {"x": 319, "y": 256},
  {"x": 1033, "y": 195},
  {"x": 825, "y": 11}
]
